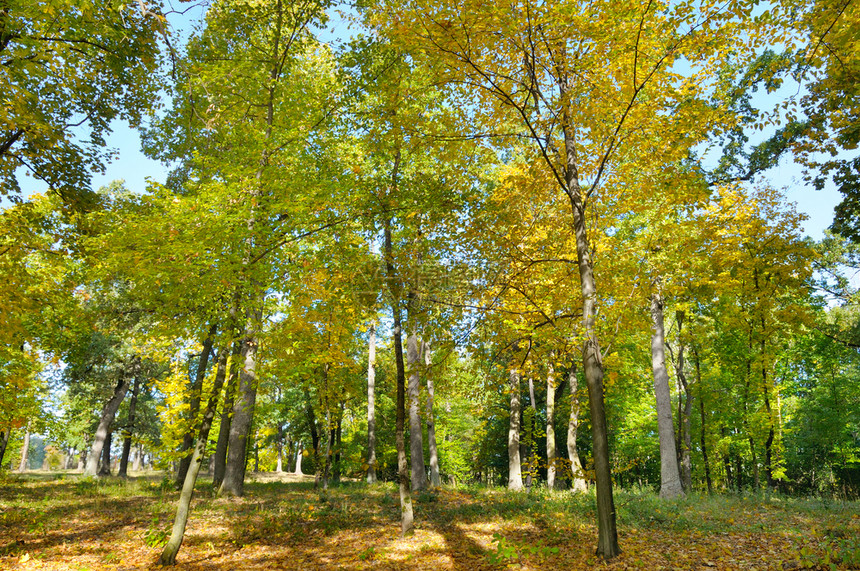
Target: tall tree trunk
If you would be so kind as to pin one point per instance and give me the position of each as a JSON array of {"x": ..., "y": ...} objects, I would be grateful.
[
  {"x": 138, "y": 458},
  {"x": 747, "y": 427},
  {"x": 315, "y": 439},
  {"x": 280, "y": 443},
  {"x": 168, "y": 556},
  {"x": 531, "y": 450},
  {"x": 129, "y": 429},
  {"x": 4, "y": 443},
  {"x": 108, "y": 414},
  {"x": 550, "y": 425},
  {"x": 685, "y": 444},
  {"x": 243, "y": 415},
  {"x": 416, "y": 443},
  {"x": 328, "y": 432},
  {"x": 371, "y": 406},
  {"x": 25, "y": 450},
  {"x": 515, "y": 475},
  {"x": 435, "y": 477},
  {"x": 768, "y": 443},
  {"x": 702, "y": 440},
  {"x": 104, "y": 463},
  {"x": 299, "y": 451},
  {"x": 220, "y": 456},
  {"x": 578, "y": 483},
  {"x": 194, "y": 406},
  {"x": 607, "y": 531},
  {"x": 754, "y": 460},
  {"x": 338, "y": 441},
  {"x": 406, "y": 515},
  {"x": 670, "y": 479}
]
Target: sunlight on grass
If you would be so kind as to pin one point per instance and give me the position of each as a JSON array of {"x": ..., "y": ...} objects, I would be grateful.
[{"x": 74, "y": 523}]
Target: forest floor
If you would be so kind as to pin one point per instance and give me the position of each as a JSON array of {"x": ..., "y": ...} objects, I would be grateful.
[{"x": 64, "y": 522}]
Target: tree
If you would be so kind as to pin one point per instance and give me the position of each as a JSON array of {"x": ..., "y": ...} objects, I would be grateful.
[{"x": 70, "y": 69}]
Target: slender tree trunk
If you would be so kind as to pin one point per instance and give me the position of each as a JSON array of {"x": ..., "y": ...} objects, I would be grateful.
[
  {"x": 168, "y": 556},
  {"x": 194, "y": 407},
  {"x": 607, "y": 532},
  {"x": 702, "y": 440},
  {"x": 515, "y": 476},
  {"x": 416, "y": 443},
  {"x": 104, "y": 463},
  {"x": 768, "y": 443},
  {"x": 129, "y": 429},
  {"x": 754, "y": 460},
  {"x": 578, "y": 483},
  {"x": 531, "y": 450},
  {"x": 25, "y": 450},
  {"x": 243, "y": 415},
  {"x": 435, "y": 477},
  {"x": 299, "y": 451},
  {"x": 138, "y": 458},
  {"x": 406, "y": 514},
  {"x": 315, "y": 439},
  {"x": 220, "y": 456},
  {"x": 550, "y": 425},
  {"x": 685, "y": 444},
  {"x": 338, "y": 441},
  {"x": 4, "y": 444},
  {"x": 328, "y": 432},
  {"x": 371, "y": 406},
  {"x": 670, "y": 480},
  {"x": 280, "y": 467},
  {"x": 108, "y": 414}
]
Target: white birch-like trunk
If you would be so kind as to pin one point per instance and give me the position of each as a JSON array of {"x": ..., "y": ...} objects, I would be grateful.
[
  {"x": 299, "y": 461},
  {"x": 371, "y": 406}
]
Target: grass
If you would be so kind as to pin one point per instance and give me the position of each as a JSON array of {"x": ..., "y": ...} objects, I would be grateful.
[{"x": 50, "y": 521}]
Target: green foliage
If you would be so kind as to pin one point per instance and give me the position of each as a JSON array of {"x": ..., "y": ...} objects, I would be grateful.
[
  {"x": 157, "y": 534},
  {"x": 514, "y": 552},
  {"x": 56, "y": 115}
]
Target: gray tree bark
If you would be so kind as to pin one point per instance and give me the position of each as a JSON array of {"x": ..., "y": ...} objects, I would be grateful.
[
  {"x": 607, "y": 531},
  {"x": 138, "y": 458},
  {"x": 183, "y": 508},
  {"x": 515, "y": 475},
  {"x": 371, "y": 406},
  {"x": 280, "y": 436},
  {"x": 299, "y": 460},
  {"x": 129, "y": 430},
  {"x": 670, "y": 479},
  {"x": 578, "y": 483},
  {"x": 108, "y": 414},
  {"x": 220, "y": 456},
  {"x": 194, "y": 406},
  {"x": 550, "y": 425},
  {"x": 104, "y": 462},
  {"x": 416, "y": 443},
  {"x": 407, "y": 526},
  {"x": 435, "y": 477},
  {"x": 25, "y": 450},
  {"x": 243, "y": 415},
  {"x": 4, "y": 443}
]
